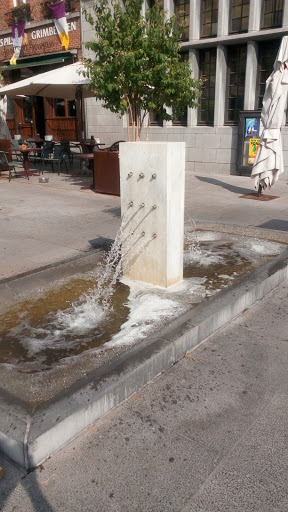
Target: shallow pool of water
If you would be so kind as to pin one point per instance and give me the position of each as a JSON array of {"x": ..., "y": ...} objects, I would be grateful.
[{"x": 69, "y": 320}]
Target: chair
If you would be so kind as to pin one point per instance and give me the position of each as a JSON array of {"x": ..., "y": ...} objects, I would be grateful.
[
  {"x": 56, "y": 158},
  {"x": 16, "y": 144},
  {"x": 114, "y": 146},
  {"x": 6, "y": 165},
  {"x": 67, "y": 150}
]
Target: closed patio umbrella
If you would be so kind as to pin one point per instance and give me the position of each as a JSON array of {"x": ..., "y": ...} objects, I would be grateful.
[
  {"x": 268, "y": 163},
  {"x": 4, "y": 130}
]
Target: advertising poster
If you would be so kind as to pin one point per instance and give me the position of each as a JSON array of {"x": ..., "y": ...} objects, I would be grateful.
[
  {"x": 251, "y": 127},
  {"x": 253, "y": 146}
]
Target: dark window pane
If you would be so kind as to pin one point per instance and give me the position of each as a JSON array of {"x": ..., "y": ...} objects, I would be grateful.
[
  {"x": 236, "y": 58},
  {"x": 71, "y": 108},
  {"x": 59, "y": 107},
  {"x": 272, "y": 13},
  {"x": 239, "y": 16},
  {"x": 209, "y": 18},
  {"x": 182, "y": 9},
  {"x": 27, "y": 109},
  {"x": 267, "y": 55},
  {"x": 207, "y": 62}
]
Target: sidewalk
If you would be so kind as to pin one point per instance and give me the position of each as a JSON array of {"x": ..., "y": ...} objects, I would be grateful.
[
  {"x": 209, "y": 434},
  {"x": 42, "y": 224}
]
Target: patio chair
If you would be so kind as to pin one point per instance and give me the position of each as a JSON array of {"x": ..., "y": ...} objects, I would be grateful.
[
  {"x": 16, "y": 144},
  {"x": 67, "y": 150},
  {"x": 7, "y": 165},
  {"x": 58, "y": 157}
]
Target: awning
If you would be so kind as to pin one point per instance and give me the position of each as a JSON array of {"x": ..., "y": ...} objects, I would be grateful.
[{"x": 41, "y": 60}]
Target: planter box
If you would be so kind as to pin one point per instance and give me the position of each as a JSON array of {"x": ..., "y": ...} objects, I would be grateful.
[{"x": 106, "y": 173}]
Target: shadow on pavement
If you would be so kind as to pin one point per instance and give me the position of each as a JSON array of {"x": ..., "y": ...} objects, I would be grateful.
[
  {"x": 30, "y": 485},
  {"x": 227, "y": 186},
  {"x": 279, "y": 225}
]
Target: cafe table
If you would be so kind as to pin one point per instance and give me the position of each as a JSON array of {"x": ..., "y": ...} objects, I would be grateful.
[{"x": 25, "y": 153}]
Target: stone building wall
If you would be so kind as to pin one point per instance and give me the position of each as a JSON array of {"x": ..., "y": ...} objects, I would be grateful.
[{"x": 209, "y": 148}]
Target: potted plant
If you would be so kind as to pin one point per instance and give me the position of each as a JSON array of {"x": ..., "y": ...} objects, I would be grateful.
[
  {"x": 21, "y": 13},
  {"x": 137, "y": 67}
]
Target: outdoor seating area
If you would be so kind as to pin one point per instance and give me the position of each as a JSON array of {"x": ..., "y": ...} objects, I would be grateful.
[{"x": 37, "y": 157}]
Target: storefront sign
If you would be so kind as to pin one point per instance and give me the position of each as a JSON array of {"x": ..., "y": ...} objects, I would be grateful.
[{"x": 39, "y": 34}]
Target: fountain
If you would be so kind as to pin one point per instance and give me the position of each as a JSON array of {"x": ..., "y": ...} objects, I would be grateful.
[
  {"x": 152, "y": 178},
  {"x": 77, "y": 351}
]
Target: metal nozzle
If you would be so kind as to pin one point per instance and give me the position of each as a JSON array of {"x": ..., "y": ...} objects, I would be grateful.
[
  {"x": 141, "y": 205},
  {"x": 130, "y": 174},
  {"x": 130, "y": 204},
  {"x": 153, "y": 176},
  {"x": 141, "y": 175}
]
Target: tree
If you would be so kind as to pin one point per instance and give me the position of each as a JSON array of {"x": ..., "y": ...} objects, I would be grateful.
[{"x": 137, "y": 65}]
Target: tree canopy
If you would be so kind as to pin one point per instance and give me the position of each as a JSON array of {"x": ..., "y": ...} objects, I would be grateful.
[{"x": 137, "y": 65}]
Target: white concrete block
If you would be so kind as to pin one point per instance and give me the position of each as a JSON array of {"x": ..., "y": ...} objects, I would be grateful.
[{"x": 152, "y": 176}]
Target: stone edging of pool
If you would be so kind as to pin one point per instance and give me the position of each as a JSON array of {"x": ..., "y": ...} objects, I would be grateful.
[{"x": 28, "y": 437}]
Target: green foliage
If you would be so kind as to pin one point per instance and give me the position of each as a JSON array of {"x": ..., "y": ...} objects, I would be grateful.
[{"x": 137, "y": 65}]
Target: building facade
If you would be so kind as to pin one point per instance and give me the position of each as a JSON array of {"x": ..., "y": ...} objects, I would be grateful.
[
  {"x": 41, "y": 51},
  {"x": 231, "y": 45}
]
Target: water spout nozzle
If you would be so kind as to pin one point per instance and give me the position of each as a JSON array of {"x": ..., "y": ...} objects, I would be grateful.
[
  {"x": 130, "y": 174},
  {"x": 141, "y": 205},
  {"x": 130, "y": 204},
  {"x": 153, "y": 176},
  {"x": 154, "y": 235},
  {"x": 143, "y": 233},
  {"x": 154, "y": 206},
  {"x": 141, "y": 175}
]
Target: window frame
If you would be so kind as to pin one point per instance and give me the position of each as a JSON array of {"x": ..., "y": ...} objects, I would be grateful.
[
  {"x": 183, "y": 17},
  {"x": 228, "y": 122},
  {"x": 201, "y": 20},
  {"x": 66, "y": 116},
  {"x": 259, "y": 70},
  {"x": 265, "y": 27},
  {"x": 201, "y": 52},
  {"x": 242, "y": 31}
]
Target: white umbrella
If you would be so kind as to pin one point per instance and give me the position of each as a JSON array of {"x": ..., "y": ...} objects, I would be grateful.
[
  {"x": 4, "y": 130},
  {"x": 65, "y": 82},
  {"x": 268, "y": 163}
]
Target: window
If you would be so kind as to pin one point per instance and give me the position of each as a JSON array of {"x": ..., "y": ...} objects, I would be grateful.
[
  {"x": 182, "y": 9},
  {"x": 207, "y": 68},
  {"x": 64, "y": 108},
  {"x": 27, "y": 109},
  {"x": 267, "y": 55},
  {"x": 10, "y": 109},
  {"x": 155, "y": 119},
  {"x": 181, "y": 119},
  {"x": 236, "y": 58},
  {"x": 272, "y": 13},
  {"x": 209, "y": 18},
  {"x": 239, "y": 16}
]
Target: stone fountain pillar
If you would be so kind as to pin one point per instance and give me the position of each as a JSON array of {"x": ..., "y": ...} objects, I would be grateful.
[{"x": 152, "y": 178}]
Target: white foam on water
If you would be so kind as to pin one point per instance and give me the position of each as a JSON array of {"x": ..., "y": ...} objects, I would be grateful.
[
  {"x": 151, "y": 307},
  {"x": 203, "y": 258},
  {"x": 77, "y": 320},
  {"x": 256, "y": 248}
]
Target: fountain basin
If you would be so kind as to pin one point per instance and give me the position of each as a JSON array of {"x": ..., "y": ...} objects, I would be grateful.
[{"x": 42, "y": 411}]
